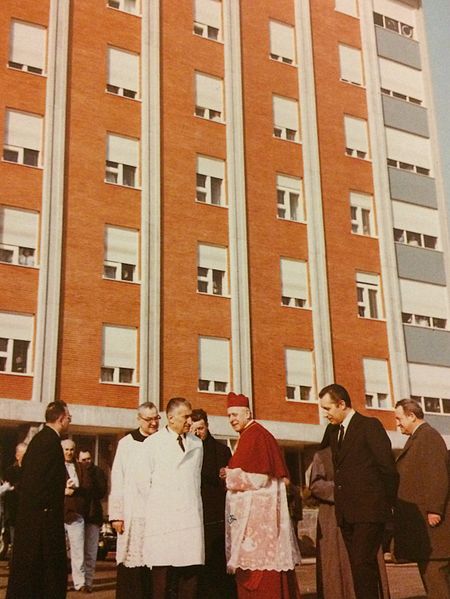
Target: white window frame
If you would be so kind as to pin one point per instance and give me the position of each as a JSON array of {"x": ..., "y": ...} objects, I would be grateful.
[
  {"x": 7, "y": 354},
  {"x": 406, "y": 166},
  {"x": 290, "y": 300},
  {"x": 111, "y": 374},
  {"x": 280, "y": 131},
  {"x": 290, "y": 191},
  {"x": 362, "y": 214},
  {"x": 394, "y": 25},
  {"x": 117, "y": 171},
  {"x": 380, "y": 398},
  {"x": 344, "y": 66},
  {"x": 363, "y": 152},
  {"x": 424, "y": 320},
  {"x": 422, "y": 399},
  {"x": 207, "y": 112},
  {"x": 122, "y": 6},
  {"x": 208, "y": 385},
  {"x": 415, "y": 239},
  {"x": 296, "y": 392},
  {"x": 29, "y": 68},
  {"x": 369, "y": 296},
  {"x": 288, "y": 30},
  {"x": 207, "y": 30},
  {"x": 210, "y": 275},
  {"x": 125, "y": 92},
  {"x": 206, "y": 190}
]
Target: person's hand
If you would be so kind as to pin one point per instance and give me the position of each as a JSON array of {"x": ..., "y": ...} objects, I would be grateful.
[
  {"x": 118, "y": 526},
  {"x": 433, "y": 519},
  {"x": 223, "y": 473},
  {"x": 69, "y": 491},
  {"x": 70, "y": 483}
]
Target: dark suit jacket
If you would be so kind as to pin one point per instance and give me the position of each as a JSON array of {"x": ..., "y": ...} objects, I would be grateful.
[
  {"x": 215, "y": 456},
  {"x": 365, "y": 475},
  {"x": 39, "y": 563},
  {"x": 423, "y": 489}
]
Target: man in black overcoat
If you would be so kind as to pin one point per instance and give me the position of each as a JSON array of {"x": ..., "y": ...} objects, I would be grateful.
[
  {"x": 39, "y": 562},
  {"x": 214, "y": 582},
  {"x": 366, "y": 483}
]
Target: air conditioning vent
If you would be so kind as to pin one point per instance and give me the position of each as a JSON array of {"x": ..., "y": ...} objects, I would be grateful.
[{"x": 406, "y": 30}]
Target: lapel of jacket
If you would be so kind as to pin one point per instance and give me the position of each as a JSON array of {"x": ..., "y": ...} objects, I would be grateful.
[
  {"x": 350, "y": 433},
  {"x": 411, "y": 440}
]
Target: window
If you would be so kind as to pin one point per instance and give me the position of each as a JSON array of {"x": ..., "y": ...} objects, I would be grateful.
[
  {"x": 349, "y": 7},
  {"x": 122, "y": 159},
  {"x": 121, "y": 254},
  {"x": 433, "y": 405},
  {"x": 356, "y": 138},
  {"x": 214, "y": 365},
  {"x": 27, "y": 47},
  {"x": 376, "y": 379},
  {"x": 210, "y": 184},
  {"x": 16, "y": 331},
  {"x": 131, "y": 6},
  {"x": 368, "y": 295},
  {"x": 286, "y": 119},
  {"x": 299, "y": 375},
  {"x": 351, "y": 65},
  {"x": 18, "y": 236},
  {"x": 123, "y": 73},
  {"x": 208, "y": 97},
  {"x": 394, "y": 25},
  {"x": 423, "y": 304},
  {"x": 282, "y": 46},
  {"x": 212, "y": 270},
  {"x": 119, "y": 354},
  {"x": 290, "y": 201},
  {"x": 361, "y": 214},
  {"x": 23, "y": 138},
  {"x": 208, "y": 19},
  {"x": 294, "y": 283},
  {"x": 408, "y": 151},
  {"x": 416, "y": 225},
  {"x": 400, "y": 81}
]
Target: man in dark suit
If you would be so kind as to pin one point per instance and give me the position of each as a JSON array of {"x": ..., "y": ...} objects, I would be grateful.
[
  {"x": 365, "y": 484},
  {"x": 214, "y": 582},
  {"x": 422, "y": 514},
  {"x": 39, "y": 564}
]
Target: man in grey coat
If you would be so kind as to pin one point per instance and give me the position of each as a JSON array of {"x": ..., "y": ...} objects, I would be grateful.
[{"x": 422, "y": 515}]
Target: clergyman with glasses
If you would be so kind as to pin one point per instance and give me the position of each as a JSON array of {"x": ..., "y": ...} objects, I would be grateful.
[{"x": 127, "y": 504}]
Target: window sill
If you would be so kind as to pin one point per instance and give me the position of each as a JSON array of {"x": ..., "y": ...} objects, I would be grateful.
[
  {"x": 22, "y": 374},
  {"x": 43, "y": 75},
  {"x": 202, "y": 118},
  {"x": 38, "y": 167},
  {"x": 288, "y": 64},
  {"x": 121, "y": 281},
  {"x": 224, "y": 295},
  {"x": 369, "y": 160},
  {"x": 364, "y": 235},
  {"x": 417, "y": 247},
  {"x": 132, "y": 14},
  {"x": 419, "y": 326},
  {"x": 390, "y": 409},
  {"x": 34, "y": 267},
  {"x": 289, "y": 220},
  {"x": 291, "y": 141},
  {"x": 353, "y": 83},
  {"x": 122, "y": 186},
  {"x": 134, "y": 385},
  {"x": 213, "y": 205},
  {"x": 307, "y": 308},
  {"x": 209, "y": 39},
  {"x": 372, "y": 319},
  {"x": 213, "y": 392},
  {"x": 302, "y": 401}
]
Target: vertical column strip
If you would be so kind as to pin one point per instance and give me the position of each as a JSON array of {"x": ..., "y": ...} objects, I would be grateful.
[
  {"x": 52, "y": 211},
  {"x": 150, "y": 313},
  {"x": 323, "y": 350},
  {"x": 239, "y": 279},
  {"x": 382, "y": 198}
]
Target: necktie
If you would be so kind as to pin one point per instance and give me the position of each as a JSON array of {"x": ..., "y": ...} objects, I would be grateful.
[
  {"x": 180, "y": 442},
  {"x": 341, "y": 435}
]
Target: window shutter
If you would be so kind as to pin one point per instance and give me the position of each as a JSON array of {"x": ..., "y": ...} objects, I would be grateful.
[
  {"x": 294, "y": 278},
  {"x": 208, "y": 92},
  {"x": 28, "y": 44},
  {"x": 121, "y": 245},
  {"x": 376, "y": 375},
  {"x": 396, "y": 10},
  {"x": 208, "y": 12},
  {"x": 356, "y": 134},
  {"x": 23, "y": 130},
  {"x": 361, "y": 200},
  {"x": 123, "y": 150},
  {"x": 400, "y": 78},
  {"x": 415, "y": 218},
  {"x": 347, "y": 6},
  {"x": 285, "y": 113},
  {"x": 123, "y": 69},
  {"x": 211, "y": 167},
  {"x": 299, "y": 367},
  {"x": 119, "y": 346},
  {"x": 365, "y": 277},
  {"x": 351, "y": 65},
  {"x": 212, "y": 256},
  {"x": 16, "y": 326},
  {"x": 423, "y": 298},
  {"x": 430, "y": 381},
  {"x": 407, "y": 147},
  {"x": 281, "y": 40},
  {"x": 214, "y": 359},
  {"x": 290, "y": 183},
  {"x": 18, "y": 227}
]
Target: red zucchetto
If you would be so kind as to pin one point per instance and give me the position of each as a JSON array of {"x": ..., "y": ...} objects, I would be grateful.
[{"x": 237, "y": 401}]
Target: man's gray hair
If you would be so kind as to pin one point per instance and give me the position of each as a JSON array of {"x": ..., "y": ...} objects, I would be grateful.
[
  {"x": 148, "y": 405},
  {"x": 175, "y": 402}
]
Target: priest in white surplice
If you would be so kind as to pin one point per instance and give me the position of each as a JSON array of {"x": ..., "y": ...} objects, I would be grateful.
[{"x": 127, "y": 506}]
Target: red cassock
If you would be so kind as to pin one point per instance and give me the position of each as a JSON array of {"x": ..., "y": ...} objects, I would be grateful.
[{"x": 258, "y": 452}]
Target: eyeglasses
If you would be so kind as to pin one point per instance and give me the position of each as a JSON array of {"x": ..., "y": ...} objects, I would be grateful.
[{"x": 153, "y": 419}]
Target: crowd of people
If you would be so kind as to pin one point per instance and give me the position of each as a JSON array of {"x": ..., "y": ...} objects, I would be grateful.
[{"x": 194, "y": 521}]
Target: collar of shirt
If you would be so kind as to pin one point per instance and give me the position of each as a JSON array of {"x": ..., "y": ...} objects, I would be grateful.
[
  {"x": 347, "y": 419},
  {"x": 72, "y": 472},
  {"x": 183, "y": 435}
]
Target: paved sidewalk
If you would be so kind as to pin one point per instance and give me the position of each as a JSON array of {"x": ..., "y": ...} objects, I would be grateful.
[{"x": 404, "y": 581}]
